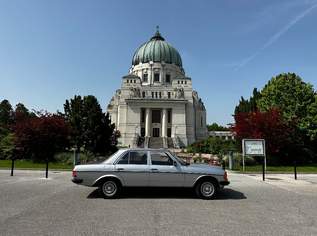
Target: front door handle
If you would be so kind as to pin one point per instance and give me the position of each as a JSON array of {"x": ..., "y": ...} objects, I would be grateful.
[
  {"x": 154, "y": 169},
  {"x": 120, "y": 168}
]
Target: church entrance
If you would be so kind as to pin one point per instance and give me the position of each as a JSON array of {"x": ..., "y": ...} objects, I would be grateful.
[
  {"x": 156, "y": 132},
  {"x": 156, "y": 123}
]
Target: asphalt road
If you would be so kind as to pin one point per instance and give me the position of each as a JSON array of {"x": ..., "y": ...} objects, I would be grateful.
[{"x": 32, "y": 205}]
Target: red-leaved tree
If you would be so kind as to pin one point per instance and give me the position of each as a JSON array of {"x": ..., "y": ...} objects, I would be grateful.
[
  {"x": 269, "y": 125},
  {"x": 39, "y": 138}
]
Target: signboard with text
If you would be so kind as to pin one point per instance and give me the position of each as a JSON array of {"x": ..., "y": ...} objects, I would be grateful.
[{"x": 253, "y": 147}]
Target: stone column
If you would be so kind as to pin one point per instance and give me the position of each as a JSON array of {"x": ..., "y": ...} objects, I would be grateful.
[
  {"x": 147, "y": 122},
  {"x": 164, "y": 123},
  {"x": 151, "y": 73}
]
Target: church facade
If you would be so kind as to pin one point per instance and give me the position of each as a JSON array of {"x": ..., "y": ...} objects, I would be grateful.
[{"x": 156, "y": 105}]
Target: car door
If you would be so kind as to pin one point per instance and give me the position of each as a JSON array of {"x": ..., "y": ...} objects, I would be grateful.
[
  {"x": 163, "y": 171},
  {"x": 133, "y": 168}
]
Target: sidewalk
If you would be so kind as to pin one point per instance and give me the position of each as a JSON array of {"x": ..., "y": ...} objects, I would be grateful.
[{"x": 305, "y": 183}]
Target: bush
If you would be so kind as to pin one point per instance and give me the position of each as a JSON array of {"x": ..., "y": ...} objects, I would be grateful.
[
  {"x": 213, "y": 145},
  {"x": 64, "y": 157},
  {"x": 237, "y": 161}
]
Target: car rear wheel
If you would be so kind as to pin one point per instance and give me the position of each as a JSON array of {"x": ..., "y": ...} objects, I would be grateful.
[
  {"x": 206, "y": 189},
  {"x": 110, "y": 189}
]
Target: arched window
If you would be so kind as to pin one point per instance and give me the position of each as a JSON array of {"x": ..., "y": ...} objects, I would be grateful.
[
  {"x": 156, "y": 77},
  {"x": 168, "y": 78},
  {"x": 145, "y": 76}
]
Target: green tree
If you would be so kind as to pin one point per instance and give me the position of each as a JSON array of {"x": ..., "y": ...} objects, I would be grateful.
[
  {"x": 289, "y": 94},
  {"x": 248, "y": 105},
  {"x": 310, "y": 121},
  {"x": 256, "y": 95},
  {"x": 21, "y": 113},
  {"x": 7, "y": 146},
  {"x": 6, "y": 113},
  {"x": 294, "y": 98},
  {"x": 6, "y": 137},
  {"x": 91, "y": 128},
  {"x": 216, "y": 127},
  {"x": 98, "y": 129},
  {"x": 74, "y": 115}
]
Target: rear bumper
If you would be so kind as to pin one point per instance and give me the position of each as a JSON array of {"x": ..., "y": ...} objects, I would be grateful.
[
  {"x": 223, "y": 183},
  {"x": 77, "y": 181}
]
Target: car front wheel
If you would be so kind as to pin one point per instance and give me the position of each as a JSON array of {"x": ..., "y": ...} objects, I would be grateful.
[
  {"x": 206, "y": 189},
  {"x": 110, "y": 189}
]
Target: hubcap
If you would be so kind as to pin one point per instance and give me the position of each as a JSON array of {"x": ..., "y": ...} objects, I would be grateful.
[
  {"x": 207, "y": 189},
  {"x": 109, "y": 188}
]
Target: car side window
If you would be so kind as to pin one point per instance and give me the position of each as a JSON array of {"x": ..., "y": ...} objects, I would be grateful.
[
  {"x": 161, "y": 158},
  {"x": 138, "y": 158},
  {"x": 134, "y": 157}
]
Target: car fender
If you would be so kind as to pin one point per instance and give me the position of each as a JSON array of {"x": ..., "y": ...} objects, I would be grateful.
[
  {"x": 107, "y": 176},
  {"x": 206, "y": 176}
]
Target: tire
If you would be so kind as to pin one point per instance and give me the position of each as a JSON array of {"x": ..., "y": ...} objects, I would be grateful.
[
  {"x": 110, "y": 188},
  {"x": 206, "y": 189}
]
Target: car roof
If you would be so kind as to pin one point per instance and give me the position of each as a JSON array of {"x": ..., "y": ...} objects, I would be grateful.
[{"x": 144, "y": 149}]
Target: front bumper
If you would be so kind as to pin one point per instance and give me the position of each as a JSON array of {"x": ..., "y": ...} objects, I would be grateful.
[
  {"x": 77, "y": 181},
  {"x": 223, "y": 183}
]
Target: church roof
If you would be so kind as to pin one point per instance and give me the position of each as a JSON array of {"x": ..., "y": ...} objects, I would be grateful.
[
  {"x": 132, "y": 76},
  {"x": 157, "y": 50}
]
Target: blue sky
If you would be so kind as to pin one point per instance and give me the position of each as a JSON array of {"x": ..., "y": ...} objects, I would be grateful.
[{"x": 52, "y": 50}]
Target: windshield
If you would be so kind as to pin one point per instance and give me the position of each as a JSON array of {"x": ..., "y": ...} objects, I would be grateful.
[{"x": 180, "y": 160}]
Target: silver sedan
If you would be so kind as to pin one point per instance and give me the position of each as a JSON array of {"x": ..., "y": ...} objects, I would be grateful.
[{"x": 150, "y": 168}]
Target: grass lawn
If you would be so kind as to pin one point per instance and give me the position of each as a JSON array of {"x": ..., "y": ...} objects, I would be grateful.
[
  {"x": 26, "y": 164},
  {"x": 281, "y": 169}
]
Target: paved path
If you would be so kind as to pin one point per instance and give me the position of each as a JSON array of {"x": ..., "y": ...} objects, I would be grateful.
[
  {"x": 31, "y": 205},
  {"x": 305, "y": 183}
]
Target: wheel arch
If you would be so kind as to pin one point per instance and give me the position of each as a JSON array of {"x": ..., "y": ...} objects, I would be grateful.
[
  {"x": 204, "y": 178},
  {"x": 101, "y": 179}
]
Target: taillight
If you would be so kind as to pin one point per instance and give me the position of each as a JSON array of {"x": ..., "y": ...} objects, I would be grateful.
[
  {"x": 74, "y": 174},
  {"x": 225, "y": 176}
]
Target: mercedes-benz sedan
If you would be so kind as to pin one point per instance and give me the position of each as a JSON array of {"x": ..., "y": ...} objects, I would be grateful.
[{"x": 150, "y": 168}]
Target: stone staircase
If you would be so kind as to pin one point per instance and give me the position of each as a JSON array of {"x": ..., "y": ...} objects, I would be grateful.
[
  {"x": 170, "y": 143},
  {"x": 141, "y": 142},
  {"x": 156, "y": 142}
]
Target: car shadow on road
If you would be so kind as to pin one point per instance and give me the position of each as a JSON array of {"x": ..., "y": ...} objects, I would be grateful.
[
  {"x": 172, "y": 193},
  {"x": 230, "y": 194}
]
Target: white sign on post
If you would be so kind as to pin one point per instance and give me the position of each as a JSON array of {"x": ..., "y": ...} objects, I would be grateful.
[{"x": 253, "y": 147}]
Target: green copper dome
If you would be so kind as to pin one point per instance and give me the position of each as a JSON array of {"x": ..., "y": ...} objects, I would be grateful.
[{"x": 157, "y": 50}]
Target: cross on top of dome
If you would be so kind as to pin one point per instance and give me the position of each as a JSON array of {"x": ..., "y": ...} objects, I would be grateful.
[{"x": 157, "y": 35}]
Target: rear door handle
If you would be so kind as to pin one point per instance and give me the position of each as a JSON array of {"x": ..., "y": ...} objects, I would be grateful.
[
  {"x": 120, "y": 168},
  {"x": 154, "y": 169}
]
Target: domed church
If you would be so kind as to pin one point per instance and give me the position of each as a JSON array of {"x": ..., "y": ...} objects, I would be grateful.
[{"x": 156, "y": 105}]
